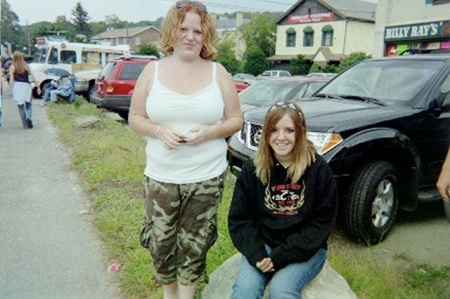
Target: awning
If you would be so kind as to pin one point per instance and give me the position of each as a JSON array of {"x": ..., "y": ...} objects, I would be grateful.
[
  {"x": 291, "y": 30},
  {"x": 308, "y": 29},
  {"x": 327, "y": 28}
]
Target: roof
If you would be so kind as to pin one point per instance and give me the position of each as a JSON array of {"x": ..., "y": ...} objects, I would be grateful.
[
  {"x": 126, "y": 32},
  {"x": 347, "y": 9},
  {"x": 326, "y": 52}
]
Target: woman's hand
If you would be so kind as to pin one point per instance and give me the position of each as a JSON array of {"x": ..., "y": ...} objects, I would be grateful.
[
  {"x": 169, "y": 138},
  {"x": 200, "y": 134},
  {"x": 265, "y": 265}
]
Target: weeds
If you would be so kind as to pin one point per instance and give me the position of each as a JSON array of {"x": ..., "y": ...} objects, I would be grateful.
[{"x": 110, "y": 159}]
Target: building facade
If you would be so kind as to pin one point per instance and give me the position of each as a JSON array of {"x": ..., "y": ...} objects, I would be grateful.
[
  {"x": 134, "y": 37},
  {"x": 412, "y": 26},
  {"x": 324, "y": 31}
]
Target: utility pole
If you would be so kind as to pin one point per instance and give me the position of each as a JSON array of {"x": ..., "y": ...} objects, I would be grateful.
[{"x": 28, "y": 39}]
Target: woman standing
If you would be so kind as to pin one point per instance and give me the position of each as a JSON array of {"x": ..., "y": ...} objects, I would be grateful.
[
  {"x": 20, "y": 86},
  {"x": 186, "y": 105},
  {"x": 283, "y": 209}
]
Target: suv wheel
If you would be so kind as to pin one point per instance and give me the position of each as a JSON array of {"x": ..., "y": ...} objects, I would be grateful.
[{"x": 372, "y": 203}]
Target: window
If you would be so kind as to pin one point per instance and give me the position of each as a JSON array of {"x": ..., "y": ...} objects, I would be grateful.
[
  {"x": 308, "y": 37},
  {"x": 68, "y": 57},
  {"x": 327, "y": 35},
  {"x": 53, "y": 57},
  {"x": 290, "y": 37},
  {"x": 137, "y": 41}
]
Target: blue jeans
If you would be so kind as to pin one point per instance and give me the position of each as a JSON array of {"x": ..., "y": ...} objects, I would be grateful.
[
  {"x": 25, "y": 111},
  {"x": 285, "y": 283},
  {"x": 46, "y": 96}
]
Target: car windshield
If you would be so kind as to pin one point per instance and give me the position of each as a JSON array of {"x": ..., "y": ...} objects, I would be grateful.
[
  {"x": 267, "y": 92},
  {"x": 394, "y": 82}
]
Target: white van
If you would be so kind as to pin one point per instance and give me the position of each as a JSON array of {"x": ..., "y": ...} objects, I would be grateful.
[{"x": 71, "y": 57}]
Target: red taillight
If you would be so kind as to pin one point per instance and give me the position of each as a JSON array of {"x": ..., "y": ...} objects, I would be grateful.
[{"x": 109, "y": 89}]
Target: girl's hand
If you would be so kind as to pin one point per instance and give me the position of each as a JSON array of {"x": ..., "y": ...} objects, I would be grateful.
[{"x": 265, "y": 265}]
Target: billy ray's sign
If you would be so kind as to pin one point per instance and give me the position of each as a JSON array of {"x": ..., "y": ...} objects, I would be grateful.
[{"x": 421, "y": 31}]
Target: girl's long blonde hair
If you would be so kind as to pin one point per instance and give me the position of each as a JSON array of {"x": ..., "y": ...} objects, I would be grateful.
[
  {"x": 303, "y": 153},
  {"x": 171, "y": 25},
  {"x": 19, "y": 62}
]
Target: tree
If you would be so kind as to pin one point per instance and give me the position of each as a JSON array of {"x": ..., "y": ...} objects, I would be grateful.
[
  {"x": 11, "y": 32},
  {"x": 113, "y": 22},
  {"x": 352, "y": 59},
  {"x": 148, "y": 49},
  {"x": 299, "y": 65},
  {"x": 80, "y": 20},
  {"x": 226, "y": 55},
  {"x": 255, "y": 61},
  {"x": 261, "y": 31}
]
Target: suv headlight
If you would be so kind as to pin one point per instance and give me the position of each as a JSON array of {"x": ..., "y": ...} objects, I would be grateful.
[{"x": 324, "y": 142}]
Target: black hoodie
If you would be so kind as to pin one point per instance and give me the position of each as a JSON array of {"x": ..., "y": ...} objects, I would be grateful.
[{"x": 295, "y": 220}]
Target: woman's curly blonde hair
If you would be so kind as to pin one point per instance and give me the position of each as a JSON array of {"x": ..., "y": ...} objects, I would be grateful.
[{"x": 171, "y": 25}]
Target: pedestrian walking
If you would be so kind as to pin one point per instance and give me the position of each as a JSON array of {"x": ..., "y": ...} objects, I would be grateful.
[{"x": 20, "y": 86}]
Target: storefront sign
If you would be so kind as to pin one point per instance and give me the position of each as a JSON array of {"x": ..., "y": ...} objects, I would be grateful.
[
  {"x": 312, "y": 18},
  {"x": 433, "y": 30}
]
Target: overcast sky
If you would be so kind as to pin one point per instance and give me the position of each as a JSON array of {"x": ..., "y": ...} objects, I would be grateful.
[{"x": 32, "y": 11}]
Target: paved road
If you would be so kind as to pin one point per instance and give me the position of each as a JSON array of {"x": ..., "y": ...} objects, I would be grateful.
[{"x": 47, "y": 248}]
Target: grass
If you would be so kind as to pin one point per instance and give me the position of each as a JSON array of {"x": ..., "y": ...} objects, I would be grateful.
[{"x": 110, "y": 159}]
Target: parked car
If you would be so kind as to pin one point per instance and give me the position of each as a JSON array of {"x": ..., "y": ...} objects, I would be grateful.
[
  {"x": 267, "y": 92},
  {"x": 246, "y": 78},
  {"x": 240, "y": 86},
  {"x": 383, "y": 126},
  {"x": 331, "y": 75},
  {"x": 275, "y": 73},
  {"x": 115, "y": 84},
  {"x": 85, "y": 82}
]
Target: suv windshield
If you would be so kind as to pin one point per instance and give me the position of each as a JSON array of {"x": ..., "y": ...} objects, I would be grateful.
[
  {"x": 267, "y": 92},
  {"x": 389, "y": 81}
]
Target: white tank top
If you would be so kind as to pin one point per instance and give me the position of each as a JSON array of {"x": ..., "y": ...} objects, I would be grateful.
[{"x": 187, "y": 163}]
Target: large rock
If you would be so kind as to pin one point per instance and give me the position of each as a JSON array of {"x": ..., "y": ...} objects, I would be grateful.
[{"x": 328, "y": 284}]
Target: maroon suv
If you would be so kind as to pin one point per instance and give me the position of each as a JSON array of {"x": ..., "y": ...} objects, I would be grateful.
[{"x": 115, "y": 83}]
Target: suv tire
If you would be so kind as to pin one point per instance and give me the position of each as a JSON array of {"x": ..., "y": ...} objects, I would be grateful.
[{"x": 372, "y": 202}]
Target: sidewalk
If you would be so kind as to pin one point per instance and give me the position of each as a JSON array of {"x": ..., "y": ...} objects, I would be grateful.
[{"x": 48, "y": 248}]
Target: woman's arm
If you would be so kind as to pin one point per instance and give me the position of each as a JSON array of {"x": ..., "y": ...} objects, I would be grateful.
[
  {"x": 443, "y": 183},
  {"x": 138, "y": 118}
]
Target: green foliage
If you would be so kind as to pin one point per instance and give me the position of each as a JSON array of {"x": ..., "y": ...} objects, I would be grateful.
[
  {"x": 226, "y": 55},
  {"x": 314, "y": 68},
  {"x": 255, "y": 61},
  {"x": 352, "y": 59},
  {"x": 261, "y": 32},
  {"x": 80, "y": 20},
  {"x": 11, "y": 32},
  {"x": 299, "y": 65},
  {"x": 148, "y": 49},
  {"x": 330, "y": 68}
]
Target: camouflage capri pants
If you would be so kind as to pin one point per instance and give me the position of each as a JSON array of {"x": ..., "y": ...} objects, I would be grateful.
[{"x": 180, "y": 227}]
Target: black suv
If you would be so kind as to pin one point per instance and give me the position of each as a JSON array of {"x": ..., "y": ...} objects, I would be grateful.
[
  {"x": 115, "y": 84},
  {"x": 383, "y": 125}
]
